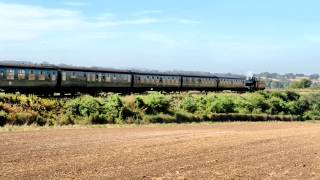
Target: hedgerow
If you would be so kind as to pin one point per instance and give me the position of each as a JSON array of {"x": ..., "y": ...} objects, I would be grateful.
[{"x": 159, "y": 108}]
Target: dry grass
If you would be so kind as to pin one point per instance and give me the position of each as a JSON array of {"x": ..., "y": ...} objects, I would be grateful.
[{"x": 26, "y": 128}]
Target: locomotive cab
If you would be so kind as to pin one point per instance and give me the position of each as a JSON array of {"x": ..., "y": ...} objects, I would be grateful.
[{"x": 254, "y": 84}]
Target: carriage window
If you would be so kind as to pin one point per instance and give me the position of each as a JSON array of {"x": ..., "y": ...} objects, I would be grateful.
[
  {"x": 32, "y": 76},
  {"x": 21, "y": 74},
  {"x": 93, "y": 77},
  {"x": 53, "y": 76},
  {"x": 64, "y": 76},
  {"x": 73, "y": 75},
  {"x": 1, "y": 74},
  {"x": 108, "y": 78},
  {"x": 88, "y": 77},
  {"x": 97, "y": 77},
  {"x": 42, "y": 76},
  {"x": 10, "y": 74}
]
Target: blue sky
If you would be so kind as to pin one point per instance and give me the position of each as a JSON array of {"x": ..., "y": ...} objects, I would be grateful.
[{"x": 201, "y": 35}]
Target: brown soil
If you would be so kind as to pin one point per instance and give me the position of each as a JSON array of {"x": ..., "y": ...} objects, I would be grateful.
[{"x": 218, "y": 151}]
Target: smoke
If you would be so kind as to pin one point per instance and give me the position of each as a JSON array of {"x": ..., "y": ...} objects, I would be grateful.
[{"x": 249, "y": 74}]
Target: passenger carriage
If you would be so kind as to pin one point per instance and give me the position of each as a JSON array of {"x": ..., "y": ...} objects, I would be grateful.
[
  {"x": 27, "y": 78},
  {"x": 143, "y": 81},
  {"x": 78, "y": 79}
]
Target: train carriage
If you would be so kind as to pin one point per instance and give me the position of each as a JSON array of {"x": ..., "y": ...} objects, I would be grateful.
[
  {"x": 27, "y": 78},
  {"x": 232, "y": 83},
  {"x": 200, "y": 82},
  {"x": 154, "y": 81},
  {"x": 77, "y": 79}
]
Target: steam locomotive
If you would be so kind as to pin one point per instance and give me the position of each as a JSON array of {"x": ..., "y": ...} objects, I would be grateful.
[{"x": 49, "y": 79}]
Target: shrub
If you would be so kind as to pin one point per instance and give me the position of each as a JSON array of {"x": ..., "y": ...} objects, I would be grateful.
[
  {"x": 276, "y": 106},
  {"x": 189, "y": 104},
  {"x": 159, "y": 118},
  {"x": 3, "y": 118},
  {"x": 84, "y": 106},
  {"x": 255, "y": 103},
  {"x": 303, "y": 83},
  {"x": 156, "y": 103},
  {"x": 298, "y": 107},
  {"x": 49, "y": 104},
  {"x": 65, "y": 119},
  {"x": 221, "y": 104},
  {"x": 292, "y": 96},
  {"x": 22, "y": 118},
  {"x": 182, "y": 117},
  {"x": 112, "y": 109}
]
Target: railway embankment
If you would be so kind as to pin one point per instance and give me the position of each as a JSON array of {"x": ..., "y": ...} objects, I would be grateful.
[{"x": 159, "y": 108}]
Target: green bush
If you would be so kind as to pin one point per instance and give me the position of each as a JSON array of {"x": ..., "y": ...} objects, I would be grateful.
[
  {"x": 156, "y": 103},
  {"x": 221, "y": 104},
  {"x": 292, "y": 96},
  {"x": 313, "y": 112},
  {"x": 84, "y": 106},
  {"x": 111, "y": 110},
  {"x": 299, "y": 106},
  {"x": 189, "y": 104},
  {"x": 303, "y": 83},
  {"x": 277, "y": 106},
  {"x": 255, "y": 103}
]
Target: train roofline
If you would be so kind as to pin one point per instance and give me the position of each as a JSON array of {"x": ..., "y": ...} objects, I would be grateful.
[
  {"x": 93, "y": 69},
  {"x": 28, "y": 65}
]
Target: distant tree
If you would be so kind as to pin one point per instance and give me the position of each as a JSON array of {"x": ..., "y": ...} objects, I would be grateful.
[
  {"x": 286, "y": 84},
  {"x": 276, "y": 85},
  {"x": 315, "y": 85},
  {"x": 303, "y": 83},
  {"x": 290, "y": 76},
  {"x": 314, "y": 76}
]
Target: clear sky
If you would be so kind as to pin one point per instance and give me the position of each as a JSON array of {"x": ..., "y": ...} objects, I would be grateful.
[{"x": 202, "y": 35}]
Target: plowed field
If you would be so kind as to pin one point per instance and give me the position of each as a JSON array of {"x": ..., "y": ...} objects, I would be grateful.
[{"x": 216, "y": 151}]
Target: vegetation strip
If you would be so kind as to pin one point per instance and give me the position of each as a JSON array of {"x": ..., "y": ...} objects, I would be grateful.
[{"x": 159, "y": 108}]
